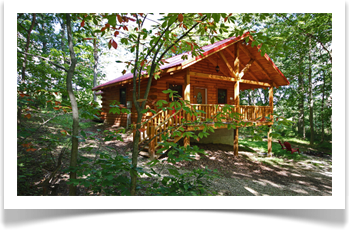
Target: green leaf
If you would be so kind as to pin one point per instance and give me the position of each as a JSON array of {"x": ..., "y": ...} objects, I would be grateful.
[
  {"x": 174, "y": 172},
  {"x": 165, "y": 180},
  {"x": 110, "y": 177},
  {"x": 144, "y": 110},
  {"x": 167, "y": 91},
  {"x": 109, "y": 43},
  {"x": 112, "y": 20},
  {"x": 216, "y": 17},
  {"x": 172, "y": 19},
  {"x": 83, "y": 134},
  {"x": 163, "y": 25},
  {"x": 186, "y": 186},
  {"x": 161, "y": 102}
]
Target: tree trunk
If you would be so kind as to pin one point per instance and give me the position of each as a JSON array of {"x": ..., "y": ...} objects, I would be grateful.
[
  {"x": 64, "y": 95},
  {"x": 27, "y": 47},
  {"x": 95, "y": 55},
  {"x": 323, "y": 103},
  {"x": 24, "y": 66},
  {"x": 311, "y": 115},
  {"x": 135, "y": 156},
  {"x": 323, "y": 109},
  {"x": 301, "y": 126},
  {"x": 74, "y": 105}
]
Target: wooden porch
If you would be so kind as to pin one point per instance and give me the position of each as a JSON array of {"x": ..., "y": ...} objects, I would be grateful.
[{"x": 173, "y": 123}]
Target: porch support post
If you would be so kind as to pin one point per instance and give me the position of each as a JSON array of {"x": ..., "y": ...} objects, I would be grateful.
[
  {"x": 237, "y": 103},
  {"x": 236, "y": 98},
  {"x": 187, "y": 86},
  {"x": 236, "y": 142},
  {"x": 186, "y": 140},
  {"x": 271, "y": 104},
  {"x": 269, "y": 142}
]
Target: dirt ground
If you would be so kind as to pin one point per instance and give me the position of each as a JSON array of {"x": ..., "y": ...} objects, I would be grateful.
[
  {"x": 249, "y": 174},
  {"x": 252, "y": 174}
]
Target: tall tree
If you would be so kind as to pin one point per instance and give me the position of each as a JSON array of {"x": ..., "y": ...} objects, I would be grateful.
[
  {"x": 310, "y": 96},
  {"x": 74, "y": 105},
  {"x": 27, "y": 46},
  {"x": 301, "y": 92}
]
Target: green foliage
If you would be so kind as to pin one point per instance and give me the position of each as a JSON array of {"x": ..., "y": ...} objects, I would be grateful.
[
  {"x": 194, "y": 183},
  {"x": 106, "y": 176}
]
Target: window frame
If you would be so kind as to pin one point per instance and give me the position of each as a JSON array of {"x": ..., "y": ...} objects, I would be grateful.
[
  {"x": 180, "y": 94},
  {"x": 121, "y": 89},
  {"x": 226, "y": 96}
]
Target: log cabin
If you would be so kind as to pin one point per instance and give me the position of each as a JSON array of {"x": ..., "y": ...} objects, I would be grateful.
[{"x": 209, "y": 81}]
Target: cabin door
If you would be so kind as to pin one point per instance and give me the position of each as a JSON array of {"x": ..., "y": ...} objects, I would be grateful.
[{"x": 199, "y": 96}]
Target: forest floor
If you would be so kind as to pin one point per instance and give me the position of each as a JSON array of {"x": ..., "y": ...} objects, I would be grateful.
[
  {"x": 249, "y": 174},
  {"x": 253, "y": 174}
]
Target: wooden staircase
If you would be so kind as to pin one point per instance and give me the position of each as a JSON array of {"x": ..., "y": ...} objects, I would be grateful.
[{"x": 164, "y": 125}]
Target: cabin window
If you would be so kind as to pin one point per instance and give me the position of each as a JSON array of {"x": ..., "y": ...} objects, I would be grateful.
[
  {"x": 179, "y": 93},
  {"x": 123, "y": 96},
  {"x": 222, "y": 96}
]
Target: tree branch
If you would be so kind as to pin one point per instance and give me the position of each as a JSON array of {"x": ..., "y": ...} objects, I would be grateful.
[
  {"x": 24, "y": 66},
  {"x": 180, "y": 38},
  {"x": 310, "y": 36},
  {"x": 46, "y": 59}
]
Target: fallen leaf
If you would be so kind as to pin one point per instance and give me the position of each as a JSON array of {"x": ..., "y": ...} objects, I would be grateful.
[
  {"x": 30, "y": 150},
  {"x": 26, "y": 145},
  {"x": 64, "y": 132}
]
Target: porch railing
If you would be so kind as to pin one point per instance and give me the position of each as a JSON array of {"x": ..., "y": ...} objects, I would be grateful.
[
  {"x": 248, "y": 113},
  {"x": 169, "y": 121}
]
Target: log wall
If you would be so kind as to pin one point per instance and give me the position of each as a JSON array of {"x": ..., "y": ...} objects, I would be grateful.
[{"x": 155, "y": 94}]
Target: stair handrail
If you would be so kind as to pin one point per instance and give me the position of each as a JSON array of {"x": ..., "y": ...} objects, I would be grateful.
[{"x": 164, "y": 122}]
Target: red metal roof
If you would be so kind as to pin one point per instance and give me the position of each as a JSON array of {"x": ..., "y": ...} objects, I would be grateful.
[{"x": 177, "y": 60}]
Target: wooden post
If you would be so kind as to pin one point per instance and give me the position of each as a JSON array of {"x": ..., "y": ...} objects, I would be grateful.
[
  {"x": 269, "y": 142},
  {"x": 187, "y": 91},
  {"x": 271, "y": 102},
  {"x": 152, "y": 143},
  {"x": 236, "y": 142},
  {"x": 186, "y": 141},
  {"x": 236, "y": 98},
  {"x": 187, "y": 86}
]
